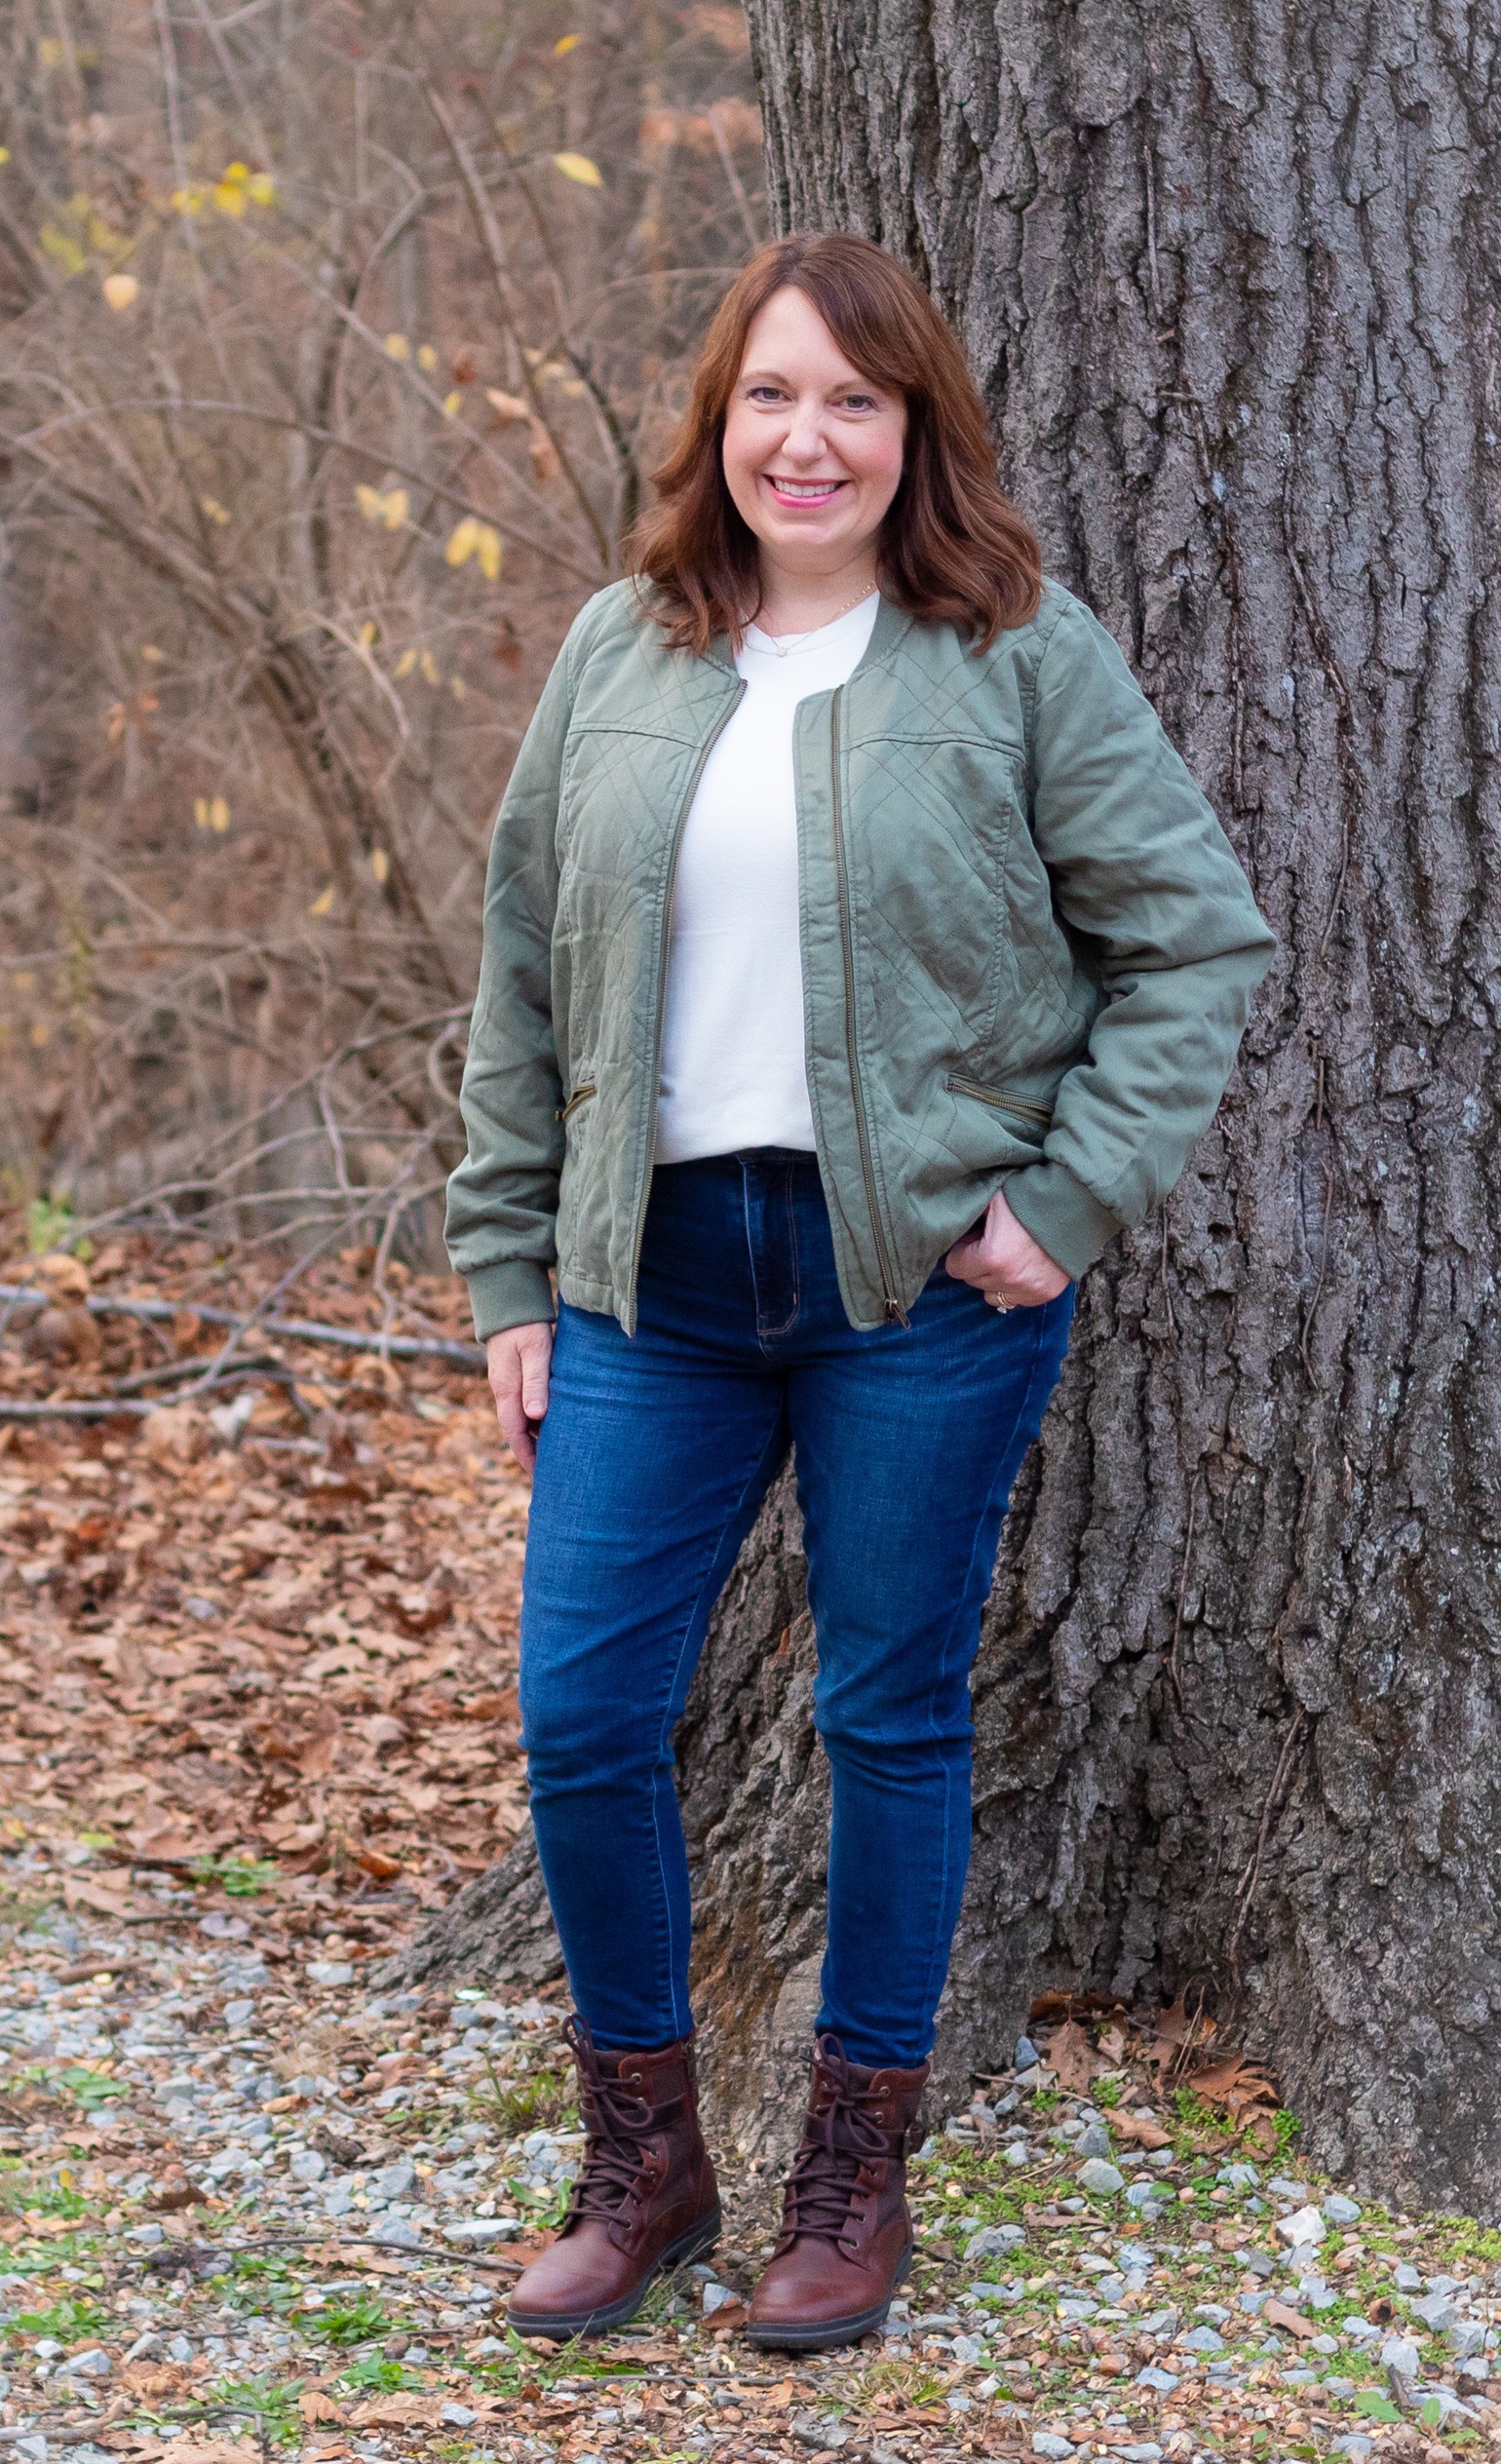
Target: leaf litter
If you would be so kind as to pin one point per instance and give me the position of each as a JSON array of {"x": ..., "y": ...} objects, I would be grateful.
[{"x": 260, "y": 1714}]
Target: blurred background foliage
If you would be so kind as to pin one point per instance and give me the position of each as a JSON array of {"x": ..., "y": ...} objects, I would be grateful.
[{"x": 338, "y": 338}]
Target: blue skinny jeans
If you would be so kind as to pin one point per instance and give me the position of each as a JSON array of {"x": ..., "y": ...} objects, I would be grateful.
[{"x": 653, "y": 1459}]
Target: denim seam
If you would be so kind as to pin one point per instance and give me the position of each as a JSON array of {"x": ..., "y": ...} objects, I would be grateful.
[{"x": 682, "y": 2017}]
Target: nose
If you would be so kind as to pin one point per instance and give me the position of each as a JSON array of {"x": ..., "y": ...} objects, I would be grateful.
[{"x": 804, "y": 440}]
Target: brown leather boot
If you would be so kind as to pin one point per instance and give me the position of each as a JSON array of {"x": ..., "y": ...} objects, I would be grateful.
[
  {"x": 846, "y": 2234},
  {"x": 646, "y": 2199}
]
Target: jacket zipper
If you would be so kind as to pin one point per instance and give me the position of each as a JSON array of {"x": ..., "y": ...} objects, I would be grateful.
[
  {"x": 961, "y": 1086},
  {"x": 579, "y": 1094},
  {"x": 679, "y": 826},
  {"x": 894, "y": 1308}
]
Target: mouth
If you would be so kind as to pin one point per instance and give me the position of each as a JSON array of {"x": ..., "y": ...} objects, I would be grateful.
[{"x": 788, "y": 491}]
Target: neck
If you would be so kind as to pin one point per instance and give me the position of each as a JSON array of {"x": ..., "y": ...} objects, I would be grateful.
[{"x": 799, "y": 602}]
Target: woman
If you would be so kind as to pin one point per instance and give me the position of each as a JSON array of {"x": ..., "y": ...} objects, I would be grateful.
[{"x": 859, "y": 959}]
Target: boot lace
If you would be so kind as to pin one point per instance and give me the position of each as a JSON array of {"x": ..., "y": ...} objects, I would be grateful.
[
  {"x": 617, "y": 2119},
  {"x": 836, "y": 2142}
]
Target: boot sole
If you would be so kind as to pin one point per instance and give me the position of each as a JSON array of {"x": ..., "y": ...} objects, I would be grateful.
[
  {"x": 819, "y": 2334},
  {"x": 561, "y": 2325}
]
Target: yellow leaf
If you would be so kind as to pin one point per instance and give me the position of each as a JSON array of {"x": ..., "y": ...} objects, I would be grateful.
[
  {"x": 370, "y": 502},
  {"x": 215, "y": 510},
  {"x": 397, "y": 347},
  {"x": 396, "y": 508},
  {"x": 380, "y": 865},
  {"x": 579, "y": 166},
  {"x": 453, "y": 403},
  {"x": 236, "y": 174},
  {"x": 119, "y": 291},
  {"x": 367, "y": 633},
  {"x": 427, "y": 357},
  {"x": 428, "y": 667},
  {"x": 260, "y": 188},
  {"x": 186, "y": 201},
  {"x": 406, "y": 663},
  {"x": 218, "y": 816},
  {"x": 201, "y": 811},
  {"x": 149, "y": 651},
  {"x": 323, "y": 902},
  {"x": 5, "y": 153},
  {"x": 507, "y": 405},
  {"x": 458, "y": 687},
  {"x": 488, "y": 550},
  {"x": 40, "y": 1033},
  {"x": 229, "y": 198},
  {"x": 463, "y": 542},
  {"x": 565, "y": 44}
]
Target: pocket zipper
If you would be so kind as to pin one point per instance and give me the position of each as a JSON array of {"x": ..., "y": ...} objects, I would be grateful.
[
  {"x": 579, "y": 1094},
  {"x": 960, "y": 1085}
]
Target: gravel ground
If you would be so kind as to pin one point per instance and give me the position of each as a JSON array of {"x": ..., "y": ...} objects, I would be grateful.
[{"x": 254, "y": 2206}]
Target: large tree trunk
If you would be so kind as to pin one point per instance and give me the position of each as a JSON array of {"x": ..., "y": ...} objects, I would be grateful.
[{"x": 1228, "y": 275}]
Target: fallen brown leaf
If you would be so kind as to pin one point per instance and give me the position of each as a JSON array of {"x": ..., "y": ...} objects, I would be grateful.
[
  {"x": 1136, "y": 2132},
  {"x": 1278, "y": 2315},
  {"x": 1070, "y": 2053},
  {"x": 315, "y": 2404}
]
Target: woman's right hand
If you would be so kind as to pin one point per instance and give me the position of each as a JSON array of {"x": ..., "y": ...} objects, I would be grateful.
[{"x": 518, "y": 1361}]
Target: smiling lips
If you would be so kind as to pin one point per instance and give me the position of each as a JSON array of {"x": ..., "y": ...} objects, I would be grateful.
[{"x": 802, "y": 491}]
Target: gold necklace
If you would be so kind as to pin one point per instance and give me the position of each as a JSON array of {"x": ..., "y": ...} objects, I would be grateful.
[{"x": 783, "y": 646}]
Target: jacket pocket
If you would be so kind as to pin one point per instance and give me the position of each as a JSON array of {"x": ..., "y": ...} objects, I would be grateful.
[
  {"x": 579, "y": 1094},
  {"x": 1036, "y": 1118}
]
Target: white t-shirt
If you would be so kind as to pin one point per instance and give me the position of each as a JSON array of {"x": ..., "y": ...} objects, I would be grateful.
[{"x": 733, "y": 1071}]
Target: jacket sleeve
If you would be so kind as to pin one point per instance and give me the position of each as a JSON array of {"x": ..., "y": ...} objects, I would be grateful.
[
  {"x": 1141, "y": 870},
  {"x": 503, "y": 1198}
]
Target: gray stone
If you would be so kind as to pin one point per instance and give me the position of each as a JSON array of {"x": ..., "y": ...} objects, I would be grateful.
[
  {"x": 1025, "y": 2055},
  {"x": 1101, "y": 2179},
  {"x": 1363, "y": 2331},
  {"x": 457, "y": 2416},
  {"x": 1092, "y": 2140},
  {"x": 147, "y": 2235},
  {"x": 1466, "y": 2336},
  {"x": 1435, "y": 2311},
  {"x": 992, "y": 2240},
  {"x": 1405, "y": 2277},
  {"x": 307, "y": 2165},
  {"x": 1398, "y": 2353},
  {"x": 394, "y": 2233},
  {"x": 1325, "y": 2343},
  {"x": 182, "y": 2348},
  {"x": 1307, "y": 2225},
  {"x": 92, "y": 2364},
  {"x": 1215, "y": 2311},
  {"x": 238, "y": 2015},
  {"x": 390, "y": 2182},
  {"x": 1047, "y": 2442},
  {"x": 480, "y": 2231},
  {"x": 1341, "y": 2210},
  {"x": 1162, "y": 2380},
  {"x": 1202, "y": 2340},
  {"x": 327, "y": 1972}
]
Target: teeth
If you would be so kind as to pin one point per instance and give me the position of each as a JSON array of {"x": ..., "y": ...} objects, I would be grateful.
[{"x": 806, "y": 487}]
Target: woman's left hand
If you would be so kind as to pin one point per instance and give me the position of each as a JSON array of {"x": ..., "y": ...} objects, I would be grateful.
[{"x": 1004, "y": 1262}]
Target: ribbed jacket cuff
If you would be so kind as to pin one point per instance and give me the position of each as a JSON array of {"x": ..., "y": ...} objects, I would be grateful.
[
  {"x": 518, "y": 1292},
  {"x": 1061, "y": 1215}
]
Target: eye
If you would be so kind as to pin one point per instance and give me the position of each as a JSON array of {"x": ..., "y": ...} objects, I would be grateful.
[
  {"x": 763, "y": 393},
  {"x": 859, "y": 402}
]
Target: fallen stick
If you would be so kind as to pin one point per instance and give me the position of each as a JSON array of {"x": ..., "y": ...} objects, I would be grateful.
[{"x": 400, "y": 1347}]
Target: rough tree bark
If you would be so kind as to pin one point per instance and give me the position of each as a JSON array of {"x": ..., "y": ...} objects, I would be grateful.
[{"x": 1227, "y": 272}]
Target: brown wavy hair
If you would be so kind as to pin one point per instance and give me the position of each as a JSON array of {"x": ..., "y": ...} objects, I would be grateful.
[{"x": 953, "y": 548}]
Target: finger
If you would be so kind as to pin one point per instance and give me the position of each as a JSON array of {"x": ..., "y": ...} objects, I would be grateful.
[
  {"x": 536, "y": 1366},
  {"x": 518, "y": 1431}
]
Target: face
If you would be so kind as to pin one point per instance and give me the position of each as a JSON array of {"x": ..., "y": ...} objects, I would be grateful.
[{"x": 812, "y": 449}]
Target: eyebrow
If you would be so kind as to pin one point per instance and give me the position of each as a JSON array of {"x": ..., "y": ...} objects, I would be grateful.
[{"x": 774, "y": 375}]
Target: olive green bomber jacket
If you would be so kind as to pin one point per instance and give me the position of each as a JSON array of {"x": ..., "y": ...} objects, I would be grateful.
[{"x": 1027, "y": 951}]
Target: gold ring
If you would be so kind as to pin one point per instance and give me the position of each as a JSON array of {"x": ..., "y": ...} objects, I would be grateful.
[{"x": 998, "y": 1300}]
